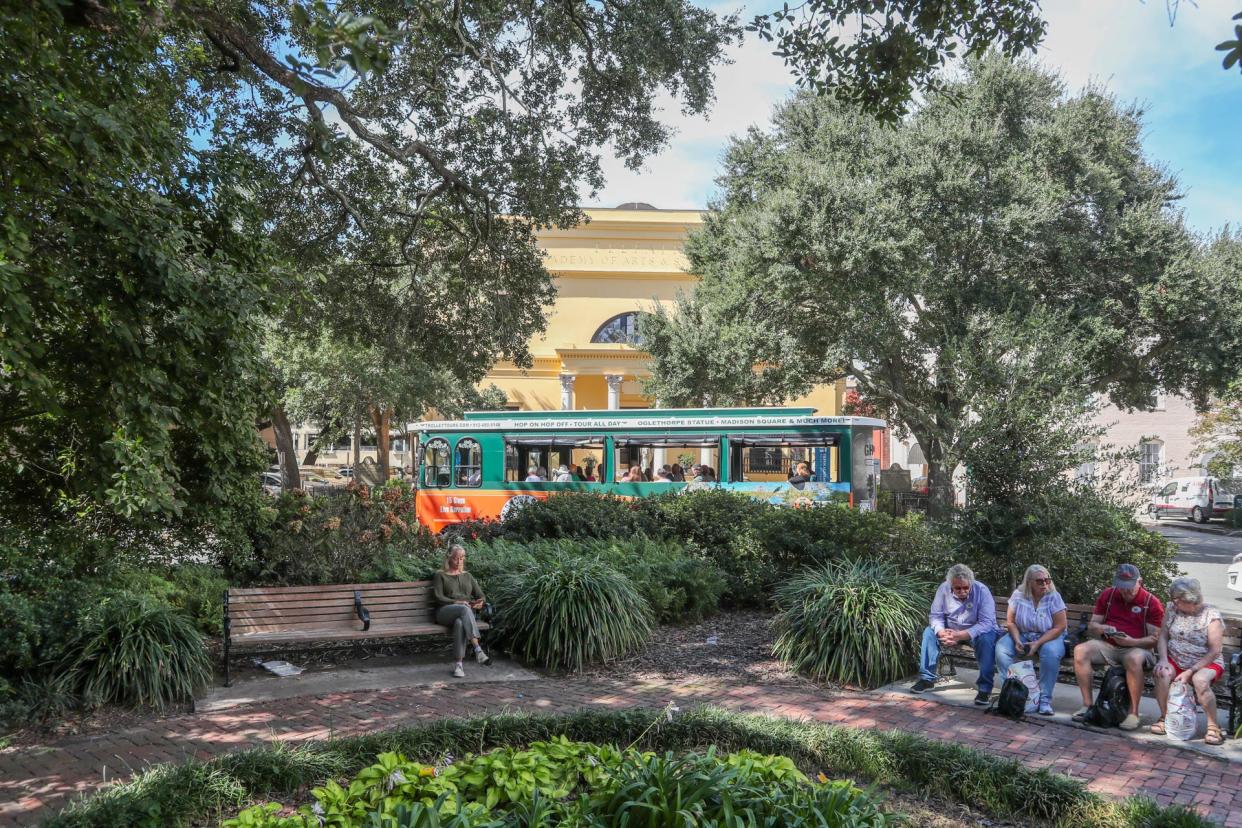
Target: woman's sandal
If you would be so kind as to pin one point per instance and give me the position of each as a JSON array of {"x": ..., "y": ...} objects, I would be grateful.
[
  {"x": 1213, "y": 736},
  {"x": 1158, "y": 727}
]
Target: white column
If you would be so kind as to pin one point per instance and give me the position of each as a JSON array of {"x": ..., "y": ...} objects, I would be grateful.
[
  {"x": 567, "y": 392},
  {"x": 614, "y": 390}
]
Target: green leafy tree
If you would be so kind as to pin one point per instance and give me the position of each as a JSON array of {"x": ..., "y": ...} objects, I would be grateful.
[
  {"x": 879, "y": 53},
  {"x": 1218, "y": 430},
  {"x": 896, "y": 46},
  {"x": 1005, "y": 237},
  {"x": 163, "y": 159},
  {"x": 134, "y": 277},
  {"x": 1219, "y": 427}
]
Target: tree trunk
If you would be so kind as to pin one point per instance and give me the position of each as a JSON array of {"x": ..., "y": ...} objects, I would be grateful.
[
  {"x": 940, "y": 495},
  {"x": 380, "y": 417},
  {"x": 312, "y": 453},
  {"x": 290, "y": 475},
  {"x": 357, "y": 444}
]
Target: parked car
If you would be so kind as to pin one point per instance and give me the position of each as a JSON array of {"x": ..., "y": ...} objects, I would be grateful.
[
  {"x": 1197, "y": 498},
  {"x": 345, "y": 471},
  {"x": 272, "y": 483},
  {"x": 1233, "y": 575}
]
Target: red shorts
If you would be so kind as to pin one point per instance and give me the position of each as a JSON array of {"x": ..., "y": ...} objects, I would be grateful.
[{"x": 1216, "y": 668}]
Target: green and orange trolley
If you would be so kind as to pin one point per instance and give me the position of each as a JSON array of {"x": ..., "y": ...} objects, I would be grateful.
[{"x": 477, "y": 468}]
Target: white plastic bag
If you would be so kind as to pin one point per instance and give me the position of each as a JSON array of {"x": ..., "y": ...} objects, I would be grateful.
[
  {"x": 1024, "y": 671},
  {"x": 1181, "y": 722}
]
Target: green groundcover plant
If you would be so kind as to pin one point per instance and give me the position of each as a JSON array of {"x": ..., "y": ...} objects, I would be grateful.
[
  {"x": 560, "y": 782},
  {"x": 195, "y": 792}
]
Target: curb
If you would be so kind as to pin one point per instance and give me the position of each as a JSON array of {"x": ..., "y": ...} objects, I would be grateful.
[{"x": 1190, "y": 526}]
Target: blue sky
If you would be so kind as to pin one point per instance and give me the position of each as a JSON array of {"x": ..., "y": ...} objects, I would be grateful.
[{"x": 1193, "y": 108}]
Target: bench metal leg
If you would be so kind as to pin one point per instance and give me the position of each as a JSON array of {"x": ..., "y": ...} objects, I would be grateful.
[
  {"x": 228, "y": 681},
  {"x": 946, "y": 665}
]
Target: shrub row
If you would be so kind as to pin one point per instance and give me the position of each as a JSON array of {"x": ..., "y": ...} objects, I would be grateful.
[
  {"x": 196, "y": 792},
  {"x": 1079, "y": 536},
  {"x": 373, "y": 535}
]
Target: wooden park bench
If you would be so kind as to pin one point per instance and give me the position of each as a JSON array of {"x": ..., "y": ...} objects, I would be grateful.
[
  {"x": 277, "y": 619},
  {"x": 1228, "y": 689}
]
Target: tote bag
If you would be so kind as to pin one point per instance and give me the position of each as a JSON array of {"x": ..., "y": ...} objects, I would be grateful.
[
  {"x": 1181, "y": 722},
  {"x": 1024, "y": 671}
]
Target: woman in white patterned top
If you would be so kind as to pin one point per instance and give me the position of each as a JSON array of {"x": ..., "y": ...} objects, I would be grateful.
[
  {"x": 1036, "y": 625},
  {"x": 1189, "y": 650}
]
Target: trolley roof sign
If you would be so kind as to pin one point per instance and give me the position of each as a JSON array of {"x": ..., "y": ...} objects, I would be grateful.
[{"x": 645, "y": 418}]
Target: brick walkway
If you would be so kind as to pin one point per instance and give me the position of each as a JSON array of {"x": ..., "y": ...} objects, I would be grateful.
[{"x": 34, "y": 782}]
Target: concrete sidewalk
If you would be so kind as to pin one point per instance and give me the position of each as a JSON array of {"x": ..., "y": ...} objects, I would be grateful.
[{"x": 959, "y": 691}]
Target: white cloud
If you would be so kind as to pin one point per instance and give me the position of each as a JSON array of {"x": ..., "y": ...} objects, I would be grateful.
[
  {"x": 1127, "y": 46},
  {"x": 747, "y": 90}
]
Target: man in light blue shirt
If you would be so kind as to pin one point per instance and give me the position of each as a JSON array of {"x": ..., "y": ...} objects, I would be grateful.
[{"x": 962, "y": 611}]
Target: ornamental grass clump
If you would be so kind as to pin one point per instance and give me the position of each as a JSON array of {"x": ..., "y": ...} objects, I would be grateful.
[
  {"x": 567, "y": 612},
  {"x": 134, "y": 650},
  {"x": 852, "y": 622}
]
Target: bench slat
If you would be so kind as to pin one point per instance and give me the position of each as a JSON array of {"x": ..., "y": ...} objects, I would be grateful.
[
  {"x": 330, "y": 622},
  {"x": 288, "y": 636},
  {"x": 327, "y": 608},
  {"x": 329, "y": 601},
  {"x": 328, "y": 588}
]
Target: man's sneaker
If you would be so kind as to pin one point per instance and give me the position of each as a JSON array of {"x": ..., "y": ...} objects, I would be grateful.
[
  {"x": 983, "y": 697},
  {"x": 1045, "y": 707},
  {"x": 482, "y": 657},
  {"x": 1080, "y": 714},
  {"x": 459, "y": 672},
  {"x": 921, "y": 685},
  {"x": 1130, "y": 722}
]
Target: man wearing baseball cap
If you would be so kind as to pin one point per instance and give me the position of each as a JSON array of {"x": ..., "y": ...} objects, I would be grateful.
[{"x": 1124, "y": 626}]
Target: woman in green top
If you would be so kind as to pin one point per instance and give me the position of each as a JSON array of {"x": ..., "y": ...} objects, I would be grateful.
[{"x": 458, "y": 595}]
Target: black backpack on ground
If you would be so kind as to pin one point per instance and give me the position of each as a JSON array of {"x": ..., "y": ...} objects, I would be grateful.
[
  {"x": 1011, "y": 703},
  {"x": 1112, "y": 702}
]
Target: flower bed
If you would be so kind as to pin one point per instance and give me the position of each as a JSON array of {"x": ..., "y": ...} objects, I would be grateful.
[
  {"x": 559, "y": 782},
  {"x": 194, "y": 792}
]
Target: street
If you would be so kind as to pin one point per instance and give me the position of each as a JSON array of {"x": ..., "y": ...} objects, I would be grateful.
[{"x": 1206, "y": 557}]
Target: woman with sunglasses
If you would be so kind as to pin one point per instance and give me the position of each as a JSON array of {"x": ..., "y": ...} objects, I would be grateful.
[{"x": 1036, "y": 623}]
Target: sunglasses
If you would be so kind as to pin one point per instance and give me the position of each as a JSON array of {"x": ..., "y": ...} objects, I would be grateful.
[{"x": 1041, "y": 580}]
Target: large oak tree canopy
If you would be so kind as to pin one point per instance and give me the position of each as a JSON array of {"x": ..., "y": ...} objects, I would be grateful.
[
  {"x": 165, "y": 160},
  {"x": 1007, "y": 235}
]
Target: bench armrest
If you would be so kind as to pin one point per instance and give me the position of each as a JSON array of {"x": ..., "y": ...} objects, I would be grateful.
[
  {"x": 1235, "y": 668},
  {"x": 487, "y": 612},
  {"x": 364, "y": 615}
]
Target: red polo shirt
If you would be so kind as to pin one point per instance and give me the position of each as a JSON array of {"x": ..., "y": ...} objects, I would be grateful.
[{"x": 1127, "y": 616}]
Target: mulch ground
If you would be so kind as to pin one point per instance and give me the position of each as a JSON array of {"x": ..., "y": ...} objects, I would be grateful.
[{"x": 733, "y": 646}]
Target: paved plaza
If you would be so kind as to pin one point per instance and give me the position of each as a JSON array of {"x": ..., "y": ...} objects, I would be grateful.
[{"x": 35, "y": 782}]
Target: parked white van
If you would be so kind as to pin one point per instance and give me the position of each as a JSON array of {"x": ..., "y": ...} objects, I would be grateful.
[{"x": 1198, "y": 498}]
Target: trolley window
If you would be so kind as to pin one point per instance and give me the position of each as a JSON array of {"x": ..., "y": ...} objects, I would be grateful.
[
  {"x": 469, "y": 463},
  {"x": 437, "y": 464}
]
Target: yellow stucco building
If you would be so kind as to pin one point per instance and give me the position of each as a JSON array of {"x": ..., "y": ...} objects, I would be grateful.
[{"x": 620, "y": 262}]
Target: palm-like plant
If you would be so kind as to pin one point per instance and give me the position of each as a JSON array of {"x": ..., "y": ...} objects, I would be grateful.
[
  {"x": 137, "y": 651},
  {"x": 852, "y": 622},
  {"x": 570, "y": 612}
]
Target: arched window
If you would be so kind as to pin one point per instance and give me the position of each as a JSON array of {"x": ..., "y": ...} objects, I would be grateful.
[
  {"x": 621, "y": 329},
  {"x": 437, "y": 465},
  {"x": 469, "y": 462}
]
